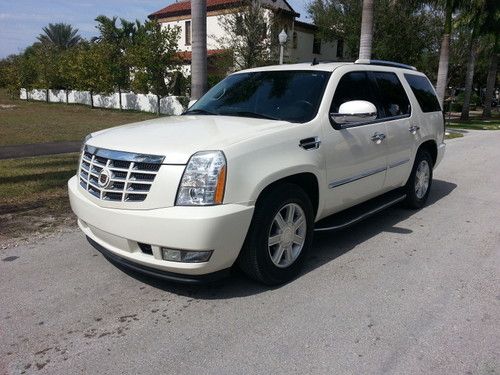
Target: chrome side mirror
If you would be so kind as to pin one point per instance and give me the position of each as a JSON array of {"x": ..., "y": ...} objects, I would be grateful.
[{"x": 353, "y": 112}]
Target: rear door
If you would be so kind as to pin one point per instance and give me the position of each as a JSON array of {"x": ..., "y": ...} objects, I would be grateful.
[{"x": 402, "y": 134}]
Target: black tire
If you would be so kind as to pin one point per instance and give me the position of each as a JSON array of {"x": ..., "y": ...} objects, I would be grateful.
[
  {"x": 255, "y": 259},
  {"x": 413, "y": 201}
]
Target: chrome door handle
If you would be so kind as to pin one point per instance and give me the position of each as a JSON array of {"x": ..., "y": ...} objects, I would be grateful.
[
  {"x": 378, "y": 137},
  {"x": 414, "y": 129}
]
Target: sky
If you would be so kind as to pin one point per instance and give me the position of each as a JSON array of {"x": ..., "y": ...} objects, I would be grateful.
[{"x": 21, "y": 21}]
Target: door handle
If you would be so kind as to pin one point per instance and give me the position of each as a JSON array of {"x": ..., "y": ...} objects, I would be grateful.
[
  {"x": 414, "y": 129},
  {"x": 378, "y": 137}
]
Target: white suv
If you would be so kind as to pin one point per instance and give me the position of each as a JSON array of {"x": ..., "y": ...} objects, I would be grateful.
[{"x": 252, "y": 169}]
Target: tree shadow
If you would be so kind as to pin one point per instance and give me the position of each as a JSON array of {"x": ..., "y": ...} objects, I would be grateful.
[{"x": 327, "y": 246}]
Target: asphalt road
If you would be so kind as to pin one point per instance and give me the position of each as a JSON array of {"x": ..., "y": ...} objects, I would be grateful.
[{"x": 405, "y": 292}]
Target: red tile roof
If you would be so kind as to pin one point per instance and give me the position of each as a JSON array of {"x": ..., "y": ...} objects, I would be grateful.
[{"x": 184, "y": 7}]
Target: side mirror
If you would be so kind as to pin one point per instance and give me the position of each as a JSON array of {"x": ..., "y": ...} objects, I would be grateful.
[
  {"x": 352, "y": 113},
  {"x": 191, "y": 102}
]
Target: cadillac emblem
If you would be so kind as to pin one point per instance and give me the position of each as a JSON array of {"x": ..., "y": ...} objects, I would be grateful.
[{"x": 104, "y": 178}]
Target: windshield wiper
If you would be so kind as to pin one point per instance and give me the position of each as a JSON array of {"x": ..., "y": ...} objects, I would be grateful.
[
  {"x": 199, "y": 112},
  {"x": 250, "y": 114}
]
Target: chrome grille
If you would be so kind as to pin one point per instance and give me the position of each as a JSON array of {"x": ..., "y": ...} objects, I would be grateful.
[{"x": 129, "y": 176}]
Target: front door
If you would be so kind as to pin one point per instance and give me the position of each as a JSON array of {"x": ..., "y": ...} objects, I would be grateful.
[{"x": 356, "y": 157}]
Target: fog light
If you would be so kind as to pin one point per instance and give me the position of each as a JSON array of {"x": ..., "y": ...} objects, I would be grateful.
[{"x": 185, "y": 256}]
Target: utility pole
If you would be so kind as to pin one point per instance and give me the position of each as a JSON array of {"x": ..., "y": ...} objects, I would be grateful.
[{"x": 199, "y": 48}]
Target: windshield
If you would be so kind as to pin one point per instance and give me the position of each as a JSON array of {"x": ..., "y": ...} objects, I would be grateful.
[{"x": 292, "y": 96}]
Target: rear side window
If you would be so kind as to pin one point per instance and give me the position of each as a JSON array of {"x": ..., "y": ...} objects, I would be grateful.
[
  {"x": 423, "y": 91},
  {"x": 392, "y": 95},
  {"x": 352, "y": 86}
]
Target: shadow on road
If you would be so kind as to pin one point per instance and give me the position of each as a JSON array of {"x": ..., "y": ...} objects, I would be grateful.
[{"x": 326, "y": 247}]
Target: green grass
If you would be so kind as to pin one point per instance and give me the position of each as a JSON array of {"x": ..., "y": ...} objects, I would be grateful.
[
  {"x": 453, "y": 135},
  {"x": 33, "y": 190},
  {"x": 24, "y": 122},
  {"x": 476, "y": 124}
]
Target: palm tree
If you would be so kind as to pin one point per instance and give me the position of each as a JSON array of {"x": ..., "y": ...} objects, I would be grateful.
[
  {"x": 199, "y": 55},
  {"x": 450, "y": 6},
  {"x": 365, "y": 42},
  {"x": 491, "y": 26},
  {"x": 60, "y": 35}
]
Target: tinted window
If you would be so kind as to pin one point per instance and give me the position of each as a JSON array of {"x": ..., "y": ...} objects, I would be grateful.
[
  {"x": 423, "y": 91},
  {"x": 392, "y": 94},
  {"x": 282, "y": 95},
  {"x": 352, "y": 86}
]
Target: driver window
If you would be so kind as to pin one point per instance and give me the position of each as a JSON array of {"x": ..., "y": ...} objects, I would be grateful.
[{"x": 353, "y": 86}]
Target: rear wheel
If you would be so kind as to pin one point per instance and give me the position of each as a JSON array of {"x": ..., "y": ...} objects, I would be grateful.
[
  {"x": 279, "y": 237},
  {"x": 420, "y": 181}
]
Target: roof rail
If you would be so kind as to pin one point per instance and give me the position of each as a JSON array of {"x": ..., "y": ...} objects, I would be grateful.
[{"x": 384, "y": 63}]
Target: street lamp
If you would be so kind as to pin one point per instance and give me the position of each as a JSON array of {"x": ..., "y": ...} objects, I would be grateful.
[{"x": 282, "y": 37}]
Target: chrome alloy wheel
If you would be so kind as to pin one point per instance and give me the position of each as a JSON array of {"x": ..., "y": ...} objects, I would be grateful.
[
  {"x": 287, "y": 235},
  {"x": 422, "y": 178}
]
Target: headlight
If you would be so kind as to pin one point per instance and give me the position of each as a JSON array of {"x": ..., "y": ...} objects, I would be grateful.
[{"x": 204, "y": 180}]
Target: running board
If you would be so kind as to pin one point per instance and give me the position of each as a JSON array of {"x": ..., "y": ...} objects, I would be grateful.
[{"x": 360, "y": 212}]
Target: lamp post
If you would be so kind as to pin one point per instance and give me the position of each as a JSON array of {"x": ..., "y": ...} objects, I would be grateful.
[{"x": 282, "y": 37}]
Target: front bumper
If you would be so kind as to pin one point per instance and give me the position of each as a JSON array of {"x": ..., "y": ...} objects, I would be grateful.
[{"x": 118, "y": 231}]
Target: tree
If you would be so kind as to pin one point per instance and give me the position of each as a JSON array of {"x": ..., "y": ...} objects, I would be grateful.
[
  {"x": 153, "y": 56},
  {"x": 59, "y": 35},
  {"x": 365, "y": 40},
  {"x": 247, "y": 34},
  {"x": 119, "y": 39},
  {"x": 338, "y": 20},
  {"x": 491, "y": 27},
  {"x": 90, "y": 69},
  {"x": 472, "y": 16},
  {"x": 449, "y": 6},
  {"x": 199, "y": 49}
]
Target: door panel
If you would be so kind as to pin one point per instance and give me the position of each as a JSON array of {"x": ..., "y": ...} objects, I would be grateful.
[
  {"x": 400, "y": 143},
  {"x": 355, "y": 165}
]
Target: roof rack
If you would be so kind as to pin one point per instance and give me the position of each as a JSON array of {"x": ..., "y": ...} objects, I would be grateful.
[{"x": 384, "y": 63}]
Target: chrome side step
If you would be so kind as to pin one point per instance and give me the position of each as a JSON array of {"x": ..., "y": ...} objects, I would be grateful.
[{"x": 358, "y": 213}]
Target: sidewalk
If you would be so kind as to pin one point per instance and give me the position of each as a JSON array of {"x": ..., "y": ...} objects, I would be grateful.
[{"x": 37, "y": 149}]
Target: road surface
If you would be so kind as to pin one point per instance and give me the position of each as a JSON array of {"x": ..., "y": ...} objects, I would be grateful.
[{"x": 405, "y": 292}]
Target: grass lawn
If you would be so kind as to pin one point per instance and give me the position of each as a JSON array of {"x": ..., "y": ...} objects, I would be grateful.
[
  {"x": 476, "y": 124},
  {"x": 453, "y": 135},
  {"x": 33, "y": 194},
  {"x": 24, "y": 122}
]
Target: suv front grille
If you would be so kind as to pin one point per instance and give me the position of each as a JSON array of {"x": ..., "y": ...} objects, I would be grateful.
[{"x": 117, "y": 176}]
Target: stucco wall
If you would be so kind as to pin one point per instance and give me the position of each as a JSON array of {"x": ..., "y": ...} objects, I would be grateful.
[{"x": 169, "y": 105}]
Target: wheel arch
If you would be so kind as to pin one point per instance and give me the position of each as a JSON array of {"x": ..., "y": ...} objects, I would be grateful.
[
  {"x": 307, "y": 181},
  {"x": 431, "y": 146}
]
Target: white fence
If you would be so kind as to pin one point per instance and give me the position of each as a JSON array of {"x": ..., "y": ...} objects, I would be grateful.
[{"x": 169, "y": 105}]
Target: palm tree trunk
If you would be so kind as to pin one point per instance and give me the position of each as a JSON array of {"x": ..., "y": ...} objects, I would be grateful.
[
  {"x": 490, "y": 81},
  {"x": 158, "y": 105},
  {"x": 120, "y": 97},
  {"x": 365, "y": 41},
  {"x": 47, "y": 95},
  {"x": 444, "y": 56},
  {"x": 67, "y": 96},
  {"x": 91, "y": 99},
  {"x": 199, "y": 42},
  {"x": 469, "y": 78}
]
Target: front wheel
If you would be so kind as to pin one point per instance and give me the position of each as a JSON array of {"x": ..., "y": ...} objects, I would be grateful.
[
  {"x": 420, "y": 181},
  {"x": 279, "y": 237}
]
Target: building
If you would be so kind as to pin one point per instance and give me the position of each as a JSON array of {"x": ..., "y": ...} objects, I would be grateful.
[{"x": 303, "y": 44}]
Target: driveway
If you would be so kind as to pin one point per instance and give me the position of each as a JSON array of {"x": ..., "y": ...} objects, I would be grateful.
[{"x": 405, "y": 292}]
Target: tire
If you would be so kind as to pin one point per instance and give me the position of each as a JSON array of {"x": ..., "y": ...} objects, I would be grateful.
[
  {"x": 416, "y": 195},
  {"x": 262, "y": 261}
]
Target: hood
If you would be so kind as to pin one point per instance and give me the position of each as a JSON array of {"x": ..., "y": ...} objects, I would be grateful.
[{"x": 179, "y": 137}]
